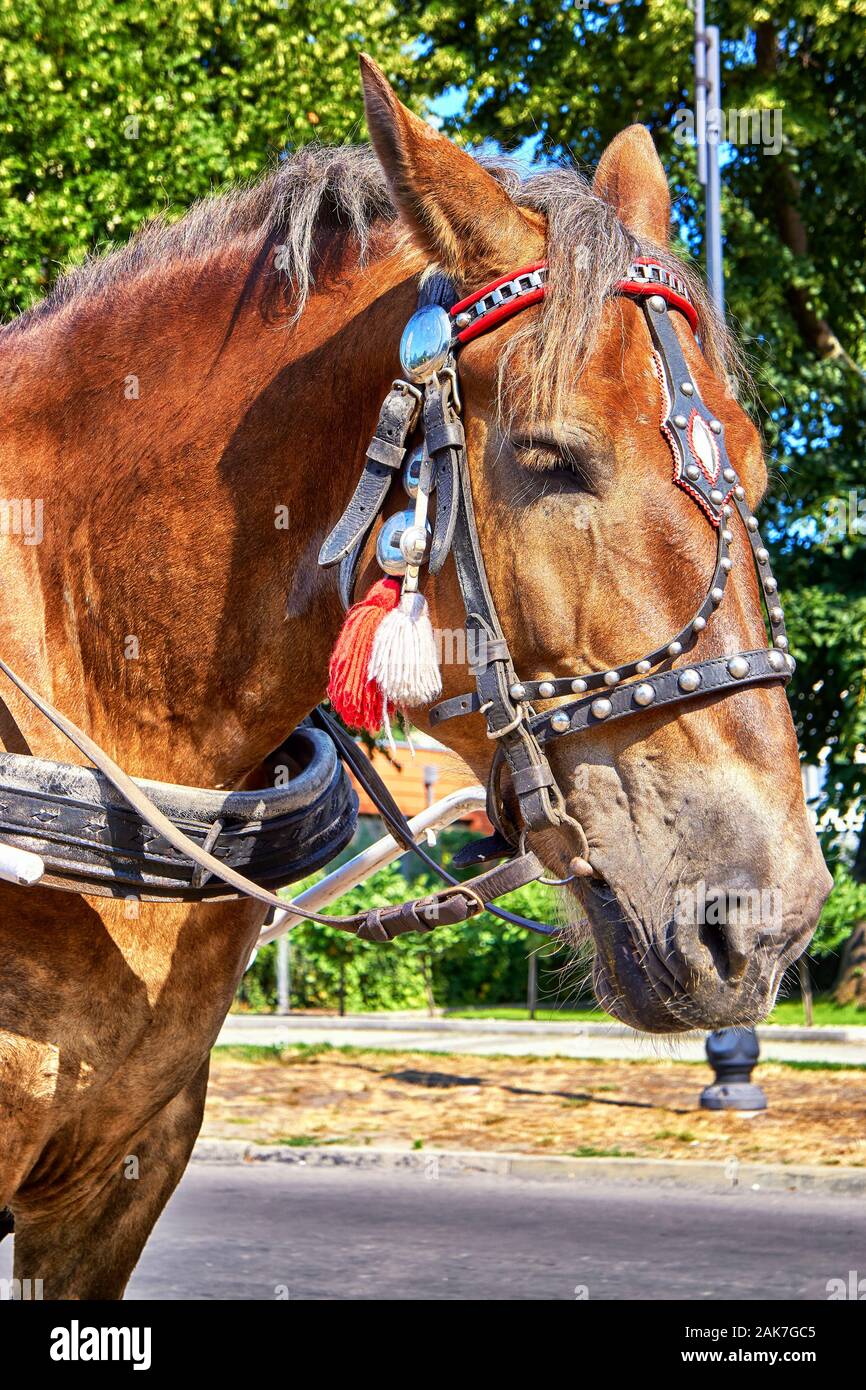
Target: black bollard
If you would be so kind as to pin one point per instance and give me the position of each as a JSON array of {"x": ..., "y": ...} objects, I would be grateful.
[{"x": 733, "y": 1054}]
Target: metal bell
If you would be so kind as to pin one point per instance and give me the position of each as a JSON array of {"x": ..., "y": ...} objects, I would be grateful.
[{"x": 425, "y": 343}]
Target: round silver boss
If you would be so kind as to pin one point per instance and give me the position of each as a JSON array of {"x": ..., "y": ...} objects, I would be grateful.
[
  {"x": 389, "y": 555},
  {"x": 425, "y": 343}
]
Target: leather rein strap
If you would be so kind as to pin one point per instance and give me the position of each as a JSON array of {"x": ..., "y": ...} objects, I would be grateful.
[{"x": 455, "y": 903}]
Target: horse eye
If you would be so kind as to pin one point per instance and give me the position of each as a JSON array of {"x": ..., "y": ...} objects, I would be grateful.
[{"x": 547, "y": 454}]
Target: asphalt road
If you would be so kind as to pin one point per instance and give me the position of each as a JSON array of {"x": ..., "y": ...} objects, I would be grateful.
[{"x": 274, "y": 1230}]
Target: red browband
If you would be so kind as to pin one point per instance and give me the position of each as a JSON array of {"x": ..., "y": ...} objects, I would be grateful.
[{"x": 500, "y": 300}]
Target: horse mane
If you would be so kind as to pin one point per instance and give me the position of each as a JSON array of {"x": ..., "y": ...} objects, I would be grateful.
[{"x": 343, "y": 189}]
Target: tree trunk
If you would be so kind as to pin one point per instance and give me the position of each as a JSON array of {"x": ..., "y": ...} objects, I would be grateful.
[{"x": 851, "y": 981}]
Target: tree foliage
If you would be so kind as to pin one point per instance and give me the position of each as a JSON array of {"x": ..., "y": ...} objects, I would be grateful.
[{"x": 113, "y": 111}]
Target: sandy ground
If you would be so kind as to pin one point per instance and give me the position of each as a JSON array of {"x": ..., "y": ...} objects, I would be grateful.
[{"x": 532, "y": 1105}]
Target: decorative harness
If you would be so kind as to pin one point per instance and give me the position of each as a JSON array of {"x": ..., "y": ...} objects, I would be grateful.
[
  {"x": 436, "y": 471},
  {"x": 105, "y": 832}
]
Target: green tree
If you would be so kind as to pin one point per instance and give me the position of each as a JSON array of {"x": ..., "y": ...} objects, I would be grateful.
[{"x": 113, "y": 111}]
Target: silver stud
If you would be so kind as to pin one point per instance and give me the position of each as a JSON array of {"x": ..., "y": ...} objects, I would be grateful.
[
  {"x": 738, "y": 667},
  {"x": 680, "y": 421},
  {"x": 728, "y": 536},
  {"x": 729, "y": 475},
  {"x": 463, "y": 320},
  {"x": 689, "y": 680},
  {"x": 770, "y": 585},
  {"x": 762, "y": 555},
  {"x": 776, "y": 660},
  {"x": 739, "y": 492},
  {"x": 687, "y": 388},
  {"x": 726, "y": 564},
  {"x": 644, "y": 694},
  {"x": 717, "y": 595},
  {"x": 517, "y": 691},
  {"x": 578, "y": 687},
  {"x": 560, "y": 721},
  {"x": 547, "y": 690},
  {"x": 611, "y": 678},
  {"x": 727, "y": 511},
  {"x": 643, "y": 666},
  {"x": 602, "y": 708},
  {"x": 699, "y": 624},
  {"x": 716, "y": 426},
  {"x": 693, "y": 472},
  {"x": 675, "y": 648},
  {"x": 716, "y": 497},
  {"x": 752, "y": 523},
  {"x": 657, "y": 304},
  {"x": 790, "y": 663},
  {"x": 781, "y": 643},
  {"x": 776, "y": 615}
]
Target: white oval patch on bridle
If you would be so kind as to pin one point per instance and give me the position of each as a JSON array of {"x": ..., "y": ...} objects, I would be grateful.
[{"x": 703, "y": 446}]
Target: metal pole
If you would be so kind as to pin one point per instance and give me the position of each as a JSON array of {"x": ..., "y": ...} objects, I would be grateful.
[
  {"x": 715, "y": 274},
  {"x": 284, "y": 977},
  {"x": 700, "y": 91}
]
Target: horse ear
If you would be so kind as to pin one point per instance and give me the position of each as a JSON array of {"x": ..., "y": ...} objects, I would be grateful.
[
  {"x": 458, "y": 213},
  {"x": 630, "y": 177}
]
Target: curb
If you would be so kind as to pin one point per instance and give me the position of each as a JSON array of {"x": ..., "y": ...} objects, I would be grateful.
[
  {"x": 454, "y": 1163},
  {"x": 413, "y": 1023}
]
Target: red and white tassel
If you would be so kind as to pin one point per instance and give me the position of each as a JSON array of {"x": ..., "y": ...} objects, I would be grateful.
[
  {"x": 355, "y": 695},
  {"x": 403, "y": 661}
]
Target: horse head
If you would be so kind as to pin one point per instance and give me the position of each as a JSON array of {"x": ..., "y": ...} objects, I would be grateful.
[{"x": 699, "y": 870}]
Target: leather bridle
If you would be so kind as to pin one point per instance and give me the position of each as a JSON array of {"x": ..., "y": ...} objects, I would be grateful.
[
  {"x": 438, "y": 474},
  {"x": 701, "y": 467}
]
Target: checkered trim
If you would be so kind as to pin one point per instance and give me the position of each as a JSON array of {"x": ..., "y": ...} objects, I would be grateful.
[
  {"x": 498, "y": 301},
  {"x": 495, "y": 303}
]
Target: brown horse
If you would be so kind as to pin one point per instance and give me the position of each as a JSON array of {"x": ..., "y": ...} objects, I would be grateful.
[{"x": 169, "y": 404}]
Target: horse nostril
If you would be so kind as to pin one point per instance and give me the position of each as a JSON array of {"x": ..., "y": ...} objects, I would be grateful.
[{"x": 728, "y": 944}]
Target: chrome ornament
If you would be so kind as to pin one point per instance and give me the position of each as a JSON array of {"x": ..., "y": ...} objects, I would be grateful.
[
  {"x": 413, "y": 544},
  {"x": 389, "y": 555},
  {"x": 738, "y": 667},
  {"x": 644, "y": 695},
  {"x": 689, "y": 680},
  {"x": 426, "y": 343},
  {"x": 560, "y": 721},
  {"x": 602, "y": 708},
  {"x": 546, "y": 690}
]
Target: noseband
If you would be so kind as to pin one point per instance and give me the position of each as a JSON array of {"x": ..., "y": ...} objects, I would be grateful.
[{"x": 436, "y": 472}]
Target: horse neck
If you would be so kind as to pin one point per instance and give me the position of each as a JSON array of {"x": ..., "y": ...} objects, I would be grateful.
[{"x": 187, "y": 505}]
